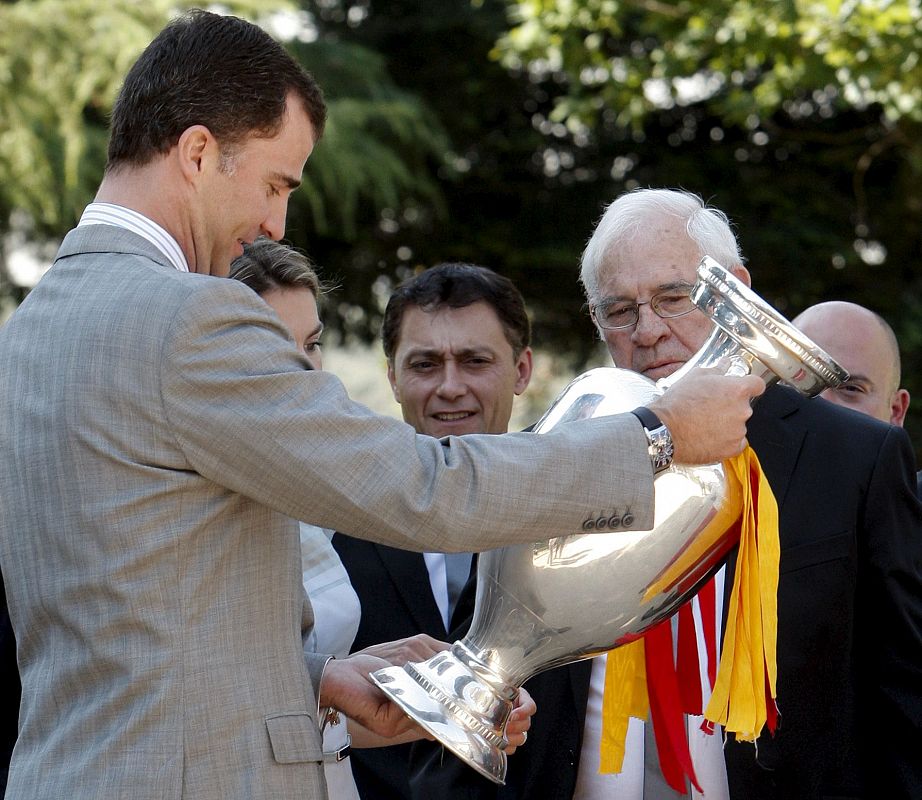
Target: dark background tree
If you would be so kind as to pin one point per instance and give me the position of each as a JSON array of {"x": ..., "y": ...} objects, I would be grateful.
[{"x": 501, "y": 204}]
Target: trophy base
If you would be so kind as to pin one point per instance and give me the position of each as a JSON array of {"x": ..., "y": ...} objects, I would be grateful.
[{"x": 444, "y": 717}]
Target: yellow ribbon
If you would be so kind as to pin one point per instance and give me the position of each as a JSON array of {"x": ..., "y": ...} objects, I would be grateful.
[
  {"x": 747, "y": 659},
  {"x": 624, "y": 696}
]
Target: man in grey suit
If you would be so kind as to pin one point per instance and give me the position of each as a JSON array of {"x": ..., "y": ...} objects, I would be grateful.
[{"x": 161, "y": 432}]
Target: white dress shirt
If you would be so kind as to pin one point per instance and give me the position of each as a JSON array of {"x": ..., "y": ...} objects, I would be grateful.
[
  {"x": 131, "y": 220},
  {"x": 706, "y": 750}
]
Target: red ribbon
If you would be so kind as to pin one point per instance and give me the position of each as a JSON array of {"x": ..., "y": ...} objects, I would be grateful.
[
  {"x": 687, "y": 667},
  {"x": 666, "y": 708}
]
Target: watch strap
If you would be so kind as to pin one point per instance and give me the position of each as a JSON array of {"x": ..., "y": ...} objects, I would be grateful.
[{"x": 647, "y": 418}]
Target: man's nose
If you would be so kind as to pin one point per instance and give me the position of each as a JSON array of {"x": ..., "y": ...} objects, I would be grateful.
[
  {"x": 452, "y": 383},
  {"x": 650, "y": 327},
  {"x": 273, "y": 225}
]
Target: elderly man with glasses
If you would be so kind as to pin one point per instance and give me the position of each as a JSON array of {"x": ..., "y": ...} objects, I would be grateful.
[{"x": 849, "y": 684}]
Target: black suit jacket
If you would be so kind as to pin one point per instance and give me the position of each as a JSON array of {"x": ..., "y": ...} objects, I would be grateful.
[
  {"x": 849, "y": 607},
  {"x": 849, "y": 625},
  {"x": 393, "y": 587}
]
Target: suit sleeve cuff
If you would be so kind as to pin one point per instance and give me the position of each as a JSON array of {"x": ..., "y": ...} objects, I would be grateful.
[{"x": 316, "y": 665}]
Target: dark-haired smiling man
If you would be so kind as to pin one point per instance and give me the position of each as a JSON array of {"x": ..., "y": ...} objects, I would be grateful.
[{"x": 456, "y": 338}]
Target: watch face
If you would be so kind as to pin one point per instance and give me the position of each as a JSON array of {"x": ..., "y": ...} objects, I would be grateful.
[{"x": 661, "y": 448}]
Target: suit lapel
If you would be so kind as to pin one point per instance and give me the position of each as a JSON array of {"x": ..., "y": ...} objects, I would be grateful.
[
  {"x": 777, "y": 435},
  {"x": 407, "y": 571}
]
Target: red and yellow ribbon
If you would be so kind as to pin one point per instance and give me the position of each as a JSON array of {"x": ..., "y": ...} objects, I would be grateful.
[{"x": 643, "y": 679}]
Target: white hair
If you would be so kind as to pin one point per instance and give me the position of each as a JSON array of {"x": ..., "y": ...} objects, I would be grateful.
[{"x": 628, "y": 221}]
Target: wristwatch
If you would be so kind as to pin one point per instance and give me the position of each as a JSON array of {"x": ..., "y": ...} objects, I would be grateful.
[{"x": 659, "y": 440}]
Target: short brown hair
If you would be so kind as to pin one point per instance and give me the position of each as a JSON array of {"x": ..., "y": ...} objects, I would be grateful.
[
  {"x": 207, "y": 69},
  {"x": 458, "y": 286}
]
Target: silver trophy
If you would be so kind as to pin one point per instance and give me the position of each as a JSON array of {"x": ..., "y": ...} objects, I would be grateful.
[{"x": 550, "y": 603}]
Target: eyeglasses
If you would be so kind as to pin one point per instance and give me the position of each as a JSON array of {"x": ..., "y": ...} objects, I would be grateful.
[{"x": 614, "y": 315}]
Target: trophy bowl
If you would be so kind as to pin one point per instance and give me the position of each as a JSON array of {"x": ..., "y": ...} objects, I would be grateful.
[{"x": 550, "y": 603}]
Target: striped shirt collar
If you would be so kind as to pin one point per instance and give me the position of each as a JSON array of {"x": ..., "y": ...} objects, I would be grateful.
[{"x": 121, "y": 217}]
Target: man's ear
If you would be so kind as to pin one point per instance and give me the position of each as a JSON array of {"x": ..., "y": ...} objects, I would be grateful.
[
  {"x": 196, "y": 149},
  {"x": 523, "y": 369},
  {"x": 742, "y": 273},
  {"x": 392, "y": 380},
  {"x": 899, "y": 405}
]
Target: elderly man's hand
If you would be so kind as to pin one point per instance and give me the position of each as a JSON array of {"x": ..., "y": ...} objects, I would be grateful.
[{"x": 706, "y": 413}]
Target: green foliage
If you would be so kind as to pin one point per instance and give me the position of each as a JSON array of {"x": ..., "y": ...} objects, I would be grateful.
[
  {"x": 57, "y": 73},
  {"x": 62, "y": 63},
  {"x": 379, "y": 146},
  {"x": 630, "y": 57}
]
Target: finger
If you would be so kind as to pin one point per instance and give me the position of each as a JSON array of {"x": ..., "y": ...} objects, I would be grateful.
[
  {"x": 525, "y": 706},
  {"x": 515, "y": 741},
  {"x": 396, "y": 723},
  {"x": 517, "y": 724}
]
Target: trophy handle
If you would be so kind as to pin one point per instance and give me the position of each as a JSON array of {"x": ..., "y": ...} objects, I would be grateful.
[{"x": 750, "y": 332}]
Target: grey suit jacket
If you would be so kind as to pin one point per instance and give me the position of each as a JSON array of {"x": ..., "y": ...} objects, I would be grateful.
[{"x": 160, "y": 431}]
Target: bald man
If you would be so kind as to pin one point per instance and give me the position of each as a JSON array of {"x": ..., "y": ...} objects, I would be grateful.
[
  {"x": 865, "y": 345},
  {"x": 863, "y": 342}
]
